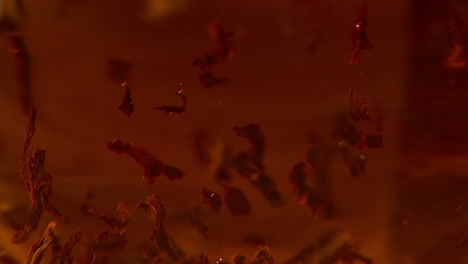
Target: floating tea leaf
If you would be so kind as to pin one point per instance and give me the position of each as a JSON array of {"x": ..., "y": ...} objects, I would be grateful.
[
  {"x": 152, "y": 166},
  {"x": 263, "y": 256},
  {"x": 374, "y": 141},
  {"x": 203, "y": 143},
  {"x": 354, "y": 136},
  {"x": 174, "y": 109},
  {"x": 236, "y": 201},
  {"x": 359, "y": 38},
  {"x": 172, "y": 172},
  {"x": 38, "y": 248},
  {"x": 297, "y": 178},
  {"x": 156, "y": 210},
  {"x": 23, "y": 70},
  {"x": 112, "y": 221},
  {"x": 254, "y": 136},
  {"x": 315, "y": 201},
  {"x": 30, "y": 131},
  {"x": 254, "y": 240},
  {"x": 39, "y": 187},
  {"x": 206, "y": 62},
  {"x": 108, "y": 239},
  {"x": 357, "y": 106},
  {"x": 224, "y": 40},
  {"x": 213, "y": 199},
  {"x": 209, "y": 81},
  {"x": 238, "y": 259},
  {"x": 250, "y": 164},
  {"x": 127, "y": 104},
  {"x": 357, "y": 166},
  {"x": 224, "y": 47}
]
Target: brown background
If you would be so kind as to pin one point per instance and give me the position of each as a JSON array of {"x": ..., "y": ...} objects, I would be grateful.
[{"x": 277, "y": 82}]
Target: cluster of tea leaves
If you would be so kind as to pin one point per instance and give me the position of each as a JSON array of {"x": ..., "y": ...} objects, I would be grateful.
[{"x": 247, "y": 164}]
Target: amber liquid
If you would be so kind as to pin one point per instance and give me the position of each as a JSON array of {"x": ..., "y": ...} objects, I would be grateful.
[{"x": 289, "y": 73}]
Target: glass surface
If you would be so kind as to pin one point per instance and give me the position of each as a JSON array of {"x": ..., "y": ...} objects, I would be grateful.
[{"x": 288, "y": 70}]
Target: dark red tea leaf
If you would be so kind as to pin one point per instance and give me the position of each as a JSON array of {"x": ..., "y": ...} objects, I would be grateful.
[
  {"x": 152, "y": 166},
  {"x": 268, "y": 189},
  {"x": 108, "y": 239},
  {"x": 354, "y": 136},
  {"x": 55, "y": 213},
  {"x": 62, "y": 254},
  {"x": 166, "y": 243},
  {"x": 223, "y": 174},
  {"x": 236, "y": 201},
  {"x": 30, "y": 131},
  {"x": 112, "y": 221},
  {"x": 203, "y": 142},
  {"x": 250, "y": 164},
  {"x": 314, "y": 200},
  {"x": 248, "y": 169},
  {"x": 464, "y": 242},
  {"x": 456, "y": 56},
  {"x": 263, "y": 256},
  {"x": 23, "y": 70},
  {"x": 374, "y": 141},
  {"x": 357, "y": 165},
  {"x": 359, "y": 38},
  {"x": 206, "y": 62},
  {"x": 358, "y": 106},
  {"x": 224, "y": 47},
  {"x": 7, "y": 24},
  {"x": 297, "y": 178},
  {"x": 127, "y": 104},
  {"x": 39, "y": 187},
  {"x": 314, "y": 155},
  {"x": 174, "y": 109},
  {"x": 208, "y": 80},
  {"x": 38, "y": 248},
  {"x": 224, "y": 40},
  {"x": 254, "y": 136},
  {"x": 238, "y": 259},
  {"x": 325, "y": 211},
  {"x": 254, "y": 240},
  {"x": 212, "y": 199},
  {"x": 172, "y": 172},
  {"x": 155, "y": 209}
]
